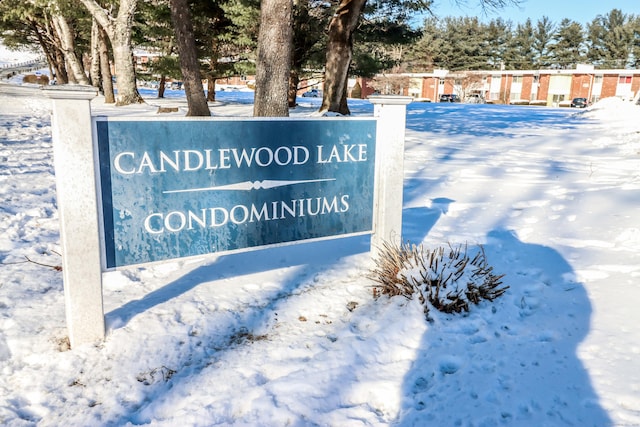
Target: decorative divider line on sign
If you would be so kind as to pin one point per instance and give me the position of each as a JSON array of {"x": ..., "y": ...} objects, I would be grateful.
[{"x": 139, "y": 190}]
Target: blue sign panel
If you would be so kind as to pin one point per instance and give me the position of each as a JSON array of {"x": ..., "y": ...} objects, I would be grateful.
[{"x": 180, "y": 188}]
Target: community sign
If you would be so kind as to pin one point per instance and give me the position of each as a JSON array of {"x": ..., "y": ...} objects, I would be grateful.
[{"x": 186, "y": 187}]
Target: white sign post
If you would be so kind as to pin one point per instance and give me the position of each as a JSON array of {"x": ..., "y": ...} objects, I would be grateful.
[
  {"x": 391, "y": 112},
  {"x": 74, "y": 159}
]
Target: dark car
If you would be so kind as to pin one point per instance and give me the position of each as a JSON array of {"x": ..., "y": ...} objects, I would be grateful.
[
  {"x": 449, "y": 97},
  {"x": 579, "y": 103},
  {"x": 313, "y": 93}
]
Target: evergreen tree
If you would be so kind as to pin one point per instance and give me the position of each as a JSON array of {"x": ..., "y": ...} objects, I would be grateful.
[
  {"x": 542, "y": 42},
  {"x": 634, "y": 26},
  {"x": 498, "y": 44},
  {"x": 154, "y": 31},
  {"x": 568, "y": 47},
  {"x": 523, "y": 43},
  {"x": 381, "y": 43},
  {"x": 610, "y": 40},
  {"x": 421, "y": 55},
  {"x": 472, "y": 47},
  {"x": 227, "y": 33},
  {"x": 444, "y": 55},
  {"x": 595, "y": 42},
  {"x": 310, "y": 18},
  {"x": 61, "y": 32}
]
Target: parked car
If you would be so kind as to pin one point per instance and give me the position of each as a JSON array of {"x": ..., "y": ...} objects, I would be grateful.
[
  {"x": 313, "y": 93},
  {"x": 449, "y": 97},
  {"x": 475, "y": 98},
  {"x": 579, "y": 103}
]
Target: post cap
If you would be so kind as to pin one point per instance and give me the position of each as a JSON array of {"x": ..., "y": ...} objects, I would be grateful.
[
  {"x": 390, "y": 99},
  {"x": 70, "y": 91}
]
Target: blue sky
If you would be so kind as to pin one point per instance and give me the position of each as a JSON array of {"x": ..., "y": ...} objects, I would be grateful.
[{"x": 582, "y": 11}]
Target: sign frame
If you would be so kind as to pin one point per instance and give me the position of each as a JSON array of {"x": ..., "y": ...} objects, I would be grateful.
[
  {"x": 75, "y": 158},
  {"x": 251, "y": 183}
]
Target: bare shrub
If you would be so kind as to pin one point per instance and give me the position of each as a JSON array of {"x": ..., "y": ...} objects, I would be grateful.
[
  {"x": 448, "y": 279},
  {"x": 36, "y": 79}
]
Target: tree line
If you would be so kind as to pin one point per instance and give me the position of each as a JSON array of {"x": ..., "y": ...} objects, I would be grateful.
[
  {"x": 285, "y": 41},
  {"x": 611, "y": 40}
]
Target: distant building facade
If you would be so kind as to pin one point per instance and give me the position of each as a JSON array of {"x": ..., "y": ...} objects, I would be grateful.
[{"x": 548, "y": 87}]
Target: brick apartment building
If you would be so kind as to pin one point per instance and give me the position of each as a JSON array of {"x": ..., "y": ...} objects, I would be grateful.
[
  {"x": 537, "y": 87},
  {"x": 549, "y": 87}
]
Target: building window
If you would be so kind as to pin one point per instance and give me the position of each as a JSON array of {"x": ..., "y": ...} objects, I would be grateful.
[
  {"x": 624, "y": 80},
  {"x": 517, "y": 79},
  {"x": 514, "y": 96},
  {"x": 441, "y": 82}
]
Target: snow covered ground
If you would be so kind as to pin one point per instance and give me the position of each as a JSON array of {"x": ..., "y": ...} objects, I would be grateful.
[
  {"x": 291, "y": 336},
  {"x": 11, "y": 57}
]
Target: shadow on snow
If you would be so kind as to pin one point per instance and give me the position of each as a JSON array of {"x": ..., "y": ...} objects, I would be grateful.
[{"x": 512, "y": 362}]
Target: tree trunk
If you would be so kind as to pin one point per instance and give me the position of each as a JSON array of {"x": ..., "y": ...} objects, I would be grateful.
[
  {"x": 67, "y": 43},
  {"x": 105, "y": 67},
  {"x": 125, "y": 69},
  {"x": 118, "y": 30},
  {"x": 162, "y": 86},
  {"x": 52, "y": 53},
  {"x": 274, "y": 59},
  {"x": 211, "y": 89},
  {"x": 70, "y": 76},
  {"x": 339, "y": 54},
  {"x": 62, "y": 77},
  {"x": 294, "y": 79},
  {"x": 94, "y": 70},
  {"x": 189, "y": 64}
]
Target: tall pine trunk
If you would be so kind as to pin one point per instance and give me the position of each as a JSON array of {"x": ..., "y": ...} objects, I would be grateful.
[
  {"x": 274, "y": 59},
  {"x": 189, "y": 64},
  {"x": 339, "y": 54}
]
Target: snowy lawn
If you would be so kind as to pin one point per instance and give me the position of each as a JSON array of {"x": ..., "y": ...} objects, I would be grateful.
[{"x": 292, "y": 336}]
